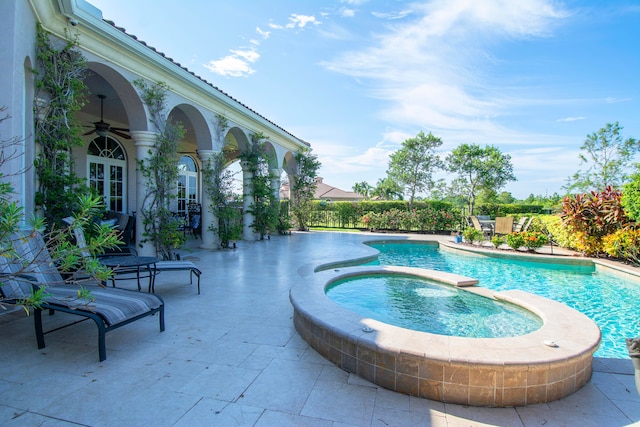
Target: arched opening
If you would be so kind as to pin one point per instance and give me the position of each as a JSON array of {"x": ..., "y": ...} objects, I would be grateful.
[
  {"x": 187, "y": 184},
  {"x": 106, "y": 171}
]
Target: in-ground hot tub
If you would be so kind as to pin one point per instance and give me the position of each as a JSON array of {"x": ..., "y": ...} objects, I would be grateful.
[{"x": 545, "y": 365}]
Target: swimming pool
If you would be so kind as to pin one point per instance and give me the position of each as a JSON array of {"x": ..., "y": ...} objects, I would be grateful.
[
  {"x": 611, "y": 302},
  {"x": 424, "y": 305}
]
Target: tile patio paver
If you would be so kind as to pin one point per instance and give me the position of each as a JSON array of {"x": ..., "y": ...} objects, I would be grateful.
[{"x": 231, "y": 356}]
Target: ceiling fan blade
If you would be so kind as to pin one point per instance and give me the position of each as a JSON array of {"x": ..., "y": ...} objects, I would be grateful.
[
  {"x": 120, "y": 129},
  {"x": 120, "y": 134},
  {"x": 90, "y": 132}
]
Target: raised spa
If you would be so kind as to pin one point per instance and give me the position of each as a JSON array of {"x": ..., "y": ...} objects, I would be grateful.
[
  {"x": 429, "y": 306},
  {"x": 544, "y": 365}
]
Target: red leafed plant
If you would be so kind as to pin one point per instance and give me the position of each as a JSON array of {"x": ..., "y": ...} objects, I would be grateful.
[{"x": 592, "y": 216}]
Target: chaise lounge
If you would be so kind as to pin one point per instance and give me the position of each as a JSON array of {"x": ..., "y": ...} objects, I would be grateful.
[{"x": 109, "y": 308}]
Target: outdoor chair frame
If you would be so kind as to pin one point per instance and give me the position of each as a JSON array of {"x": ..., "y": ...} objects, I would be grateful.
[{"x": 110, "y": 309}]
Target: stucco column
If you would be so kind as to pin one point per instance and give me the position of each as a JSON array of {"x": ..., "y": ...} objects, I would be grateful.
[
  {"x": 145, "y": 143},
  {"x": 247, "y": 200},
  {"x": 210, "y": 238},
  {"x": 275, "y": 182}
]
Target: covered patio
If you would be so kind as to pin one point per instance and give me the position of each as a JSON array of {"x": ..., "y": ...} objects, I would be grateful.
[{"x": 231, "y": 356}]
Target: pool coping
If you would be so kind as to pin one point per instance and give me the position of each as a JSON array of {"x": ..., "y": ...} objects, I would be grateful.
[{"x": 472, "y": 371}]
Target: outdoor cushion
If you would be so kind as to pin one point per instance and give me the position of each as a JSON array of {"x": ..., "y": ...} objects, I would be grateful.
[{"x": 112, "y": 304}]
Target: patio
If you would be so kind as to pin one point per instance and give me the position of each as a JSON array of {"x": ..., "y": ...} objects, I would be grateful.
[{"x": 231, "y": 356}]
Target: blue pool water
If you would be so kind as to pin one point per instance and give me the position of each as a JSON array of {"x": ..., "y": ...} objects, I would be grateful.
[
  {"x": 423, "y": 305},
  {"x": 614, "y": 304}
]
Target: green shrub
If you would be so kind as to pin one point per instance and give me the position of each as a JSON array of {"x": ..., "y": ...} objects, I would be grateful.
[
  {"x": 471, "y": 235},
  {"x": 515, "y": 240},
  {"x": 623, "y": 244},
  {"x": 497, "y": 240}
]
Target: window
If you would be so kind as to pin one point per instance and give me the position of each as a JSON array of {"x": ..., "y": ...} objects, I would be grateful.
[
  {"x": 187, "y": 184},
  {"x": 107, "y": 163}
]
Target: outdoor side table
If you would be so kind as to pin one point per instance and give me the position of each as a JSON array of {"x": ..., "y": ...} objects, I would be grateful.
[{"x": 140, "y": 266}]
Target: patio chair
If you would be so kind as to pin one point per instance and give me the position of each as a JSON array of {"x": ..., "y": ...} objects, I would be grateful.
[
  {"x": 176, "y": 265},
  {"x": 504, "y": 225},
  {"x": 487, "y": 229},
  {"x": 518, "y": 227},
  {"x": 109, "y": 308}
]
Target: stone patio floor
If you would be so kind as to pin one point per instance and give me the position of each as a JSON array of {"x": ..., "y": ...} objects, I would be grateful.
[{"x": 231, "y": 356}]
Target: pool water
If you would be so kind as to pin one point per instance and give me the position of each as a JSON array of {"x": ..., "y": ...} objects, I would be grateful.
[
  {"x": 426, "y": 306},
  {"x": 614, "y": 304}
]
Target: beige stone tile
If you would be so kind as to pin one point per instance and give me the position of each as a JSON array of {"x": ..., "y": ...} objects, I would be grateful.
[{"x": 342, "y": 403}]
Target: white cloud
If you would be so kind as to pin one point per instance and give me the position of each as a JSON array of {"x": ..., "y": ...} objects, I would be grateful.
[
  {"x": 275, "y": 26},
  {"x": 354, "y": 2},
  {"x": 347, "y": 13},
  {"x": 301, "y": 21},
  {"x": 570, "y": 119},
  {"x": 392, "y": 15},
  {"x": 264, "y": 34},
  {"x": 433, "y": 67},
  {"x": 235, "y": 65}
]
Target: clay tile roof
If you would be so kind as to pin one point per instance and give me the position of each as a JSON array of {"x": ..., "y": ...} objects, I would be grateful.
[{"x": 124, "y": 31}]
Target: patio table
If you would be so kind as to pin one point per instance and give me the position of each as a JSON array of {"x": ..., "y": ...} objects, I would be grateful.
[{"x": 128, "y": 265}]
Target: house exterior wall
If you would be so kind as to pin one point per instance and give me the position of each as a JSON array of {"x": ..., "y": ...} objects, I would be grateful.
[{"x": 118, "y": 59}]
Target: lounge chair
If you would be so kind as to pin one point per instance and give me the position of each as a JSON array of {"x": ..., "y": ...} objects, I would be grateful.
[
  {"x": 504, "y": 225},
  {"x": 109, "y": 308},
  {"x": 521, "y": 222},
  {"x": 158, "y": 266},
  {"x": 487, "y": 229}
]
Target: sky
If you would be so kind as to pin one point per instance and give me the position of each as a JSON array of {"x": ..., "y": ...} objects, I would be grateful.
[{"x": 355, "y": 78}]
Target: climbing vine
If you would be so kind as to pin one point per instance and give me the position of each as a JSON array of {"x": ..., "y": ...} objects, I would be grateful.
[
  {"x": 160, "y": 172},
  {"x": 264, "y": 206},
  {"x": 60, "y": 92},
  {"x": 218, "y": 183}
]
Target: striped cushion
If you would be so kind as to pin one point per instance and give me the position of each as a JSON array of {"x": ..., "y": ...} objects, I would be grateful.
[
  {"x": 113, "y": 304},
  {"x": 12, "y": 289}
]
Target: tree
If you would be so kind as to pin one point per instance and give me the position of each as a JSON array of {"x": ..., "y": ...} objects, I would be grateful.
[
  {"x": 363, "y": 188},
  {"x": 631, "y": 196},
  {"x": 387, "y": 189},
  {"x": 413, "y": 165},
  {"x": 303, "y": 186},
  {"x": 608, "y": 159},
  {"x": 479, "y": 169}
]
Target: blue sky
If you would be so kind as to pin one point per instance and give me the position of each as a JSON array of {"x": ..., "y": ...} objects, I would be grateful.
[{"x": 355, "y": 78}]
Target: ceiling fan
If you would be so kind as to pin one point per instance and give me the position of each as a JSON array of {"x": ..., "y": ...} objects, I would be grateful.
[{"x": 102, "y": 127}]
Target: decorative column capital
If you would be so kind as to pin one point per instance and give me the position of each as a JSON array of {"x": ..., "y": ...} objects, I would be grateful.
[{"x": 144, "y": 138}]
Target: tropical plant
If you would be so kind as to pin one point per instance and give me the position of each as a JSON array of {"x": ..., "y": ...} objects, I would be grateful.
[
  {"x": 363, "y": 188},
  {"x": 160, "y": 172},
  {"x": 413, "y": 165},
  {"x": 590, "y": 217},
  {"x": 66, "y": 255},
  {"x": 387, "y": 189},
  {"x": 479, "y": 169}
]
